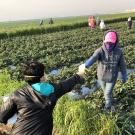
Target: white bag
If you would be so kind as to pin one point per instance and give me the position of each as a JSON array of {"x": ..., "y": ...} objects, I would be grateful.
[
  {"x": 81, "y": 94},
  {"x": 74, "y": 95},
  {"x": 102, "y": 25},
  {"x": 55, "y": 72},
  {"x": 86, "y": 91}
]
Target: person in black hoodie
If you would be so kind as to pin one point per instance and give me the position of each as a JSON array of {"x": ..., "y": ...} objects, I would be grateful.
[{"x": 34, "y": 103}]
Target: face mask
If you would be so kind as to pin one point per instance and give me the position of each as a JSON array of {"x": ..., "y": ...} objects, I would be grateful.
[{"x": 109, "y": 46}]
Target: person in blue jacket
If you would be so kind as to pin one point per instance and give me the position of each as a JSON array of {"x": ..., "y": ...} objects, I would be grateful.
[{"x": 110, "y": 60}]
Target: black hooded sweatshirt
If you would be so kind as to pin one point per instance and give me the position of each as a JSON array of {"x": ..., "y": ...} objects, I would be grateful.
[{"x": 34, "y": 111}]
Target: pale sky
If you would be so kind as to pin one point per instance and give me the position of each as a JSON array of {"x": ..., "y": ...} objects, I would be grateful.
[{"x": 35, "y": 9}]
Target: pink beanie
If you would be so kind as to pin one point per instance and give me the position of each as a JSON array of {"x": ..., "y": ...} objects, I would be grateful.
[{"x": 110, "y": 37}]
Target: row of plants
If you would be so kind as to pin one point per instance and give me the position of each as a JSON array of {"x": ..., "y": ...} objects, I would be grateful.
[
  {"x": 69, "y": 47},
  {"x": 60, "y": 41},
  {"x": 62, "y": 25}
]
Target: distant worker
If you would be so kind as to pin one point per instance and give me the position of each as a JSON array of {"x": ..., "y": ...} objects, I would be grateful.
[
  {"x": 51, "y": 21},
  {"x": 98, "y": 21},
  {"x": 91, "y": 22},
  {"x": 129, "y": 23},
  {"x": 102, "y": 25},
  {"x": 41, "y": 22}
]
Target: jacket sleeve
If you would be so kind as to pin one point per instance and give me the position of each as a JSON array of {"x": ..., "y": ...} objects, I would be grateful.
[
  {"x": 7, "y": 110},
  {"x": 122, "y": 66},
  {"x": 93, "y": 58},
  {"x": 67, "y": 85}
]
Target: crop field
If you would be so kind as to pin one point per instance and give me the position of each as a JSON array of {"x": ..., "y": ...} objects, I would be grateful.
[
  {"x": 66, "y": 50},
  {"x": 28, "y": 27}
]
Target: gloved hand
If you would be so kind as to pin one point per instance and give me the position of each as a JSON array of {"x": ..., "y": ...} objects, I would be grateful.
[{"x": 81, "y": 70}]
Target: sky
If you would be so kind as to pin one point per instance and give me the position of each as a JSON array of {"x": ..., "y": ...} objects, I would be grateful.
[{"x": 11, "y": 10}]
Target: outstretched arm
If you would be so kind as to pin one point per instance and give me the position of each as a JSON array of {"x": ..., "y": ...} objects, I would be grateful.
[
  {"x": 67, "y": 85},
  {"x": 92, "y": 59}
]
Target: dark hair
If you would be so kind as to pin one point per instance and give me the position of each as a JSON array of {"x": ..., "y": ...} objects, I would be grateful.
[{"x": 32, "y": 71}]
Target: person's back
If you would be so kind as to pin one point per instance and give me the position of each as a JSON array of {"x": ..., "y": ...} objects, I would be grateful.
[
  {"x": 34, "y": 112},
  {"x": 35, "y": 102}
]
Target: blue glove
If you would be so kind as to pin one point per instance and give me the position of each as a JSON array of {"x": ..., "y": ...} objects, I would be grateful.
[{"x": 124, "y": 77}]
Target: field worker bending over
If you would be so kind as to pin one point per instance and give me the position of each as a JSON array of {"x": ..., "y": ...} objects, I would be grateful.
[
  {"x": 91, "y": 22},
  {"x": 129, "y": 23},
  {"x": 109, "y": 59},
  {"x": 102, "y": 25},
  {"x": 35, "y": 102}
]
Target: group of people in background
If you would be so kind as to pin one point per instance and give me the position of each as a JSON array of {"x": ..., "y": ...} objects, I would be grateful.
[
  {"x": 92, "y": 23},
  {"x": 50, "y": 22}
]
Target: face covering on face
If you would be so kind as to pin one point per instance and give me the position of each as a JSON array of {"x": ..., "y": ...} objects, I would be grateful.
[{"x": 109, "y": 46}]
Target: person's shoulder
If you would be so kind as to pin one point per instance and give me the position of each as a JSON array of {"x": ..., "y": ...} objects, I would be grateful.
[
  {"x": 21, "y": 90},
  {"x": 119, "y": 50},
  {"x": 98, "y": 51},
  {"x": 16, "y": 94}
]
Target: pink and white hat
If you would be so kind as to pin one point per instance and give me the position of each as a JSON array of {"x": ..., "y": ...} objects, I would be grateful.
[{"x": 110, "y": 37}]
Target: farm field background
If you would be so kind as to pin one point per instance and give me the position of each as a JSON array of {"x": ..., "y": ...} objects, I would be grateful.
[
  {"x": 66, "y": 50},
  {"x": 26, "y": 27}
]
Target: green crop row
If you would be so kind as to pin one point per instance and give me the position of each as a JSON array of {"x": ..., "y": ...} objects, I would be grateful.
[
  {"x": 62, "y": 25},
  {"x": 68, "y": 47}
]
